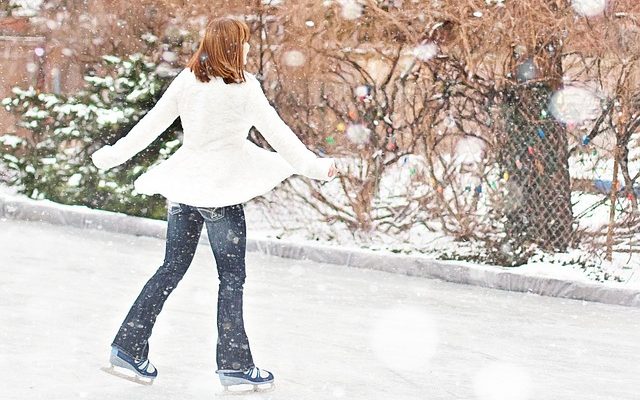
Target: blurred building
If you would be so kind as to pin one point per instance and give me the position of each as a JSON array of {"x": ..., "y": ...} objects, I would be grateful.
[
  {"x": 27, "y": 58},
  {"x": 19, "y": 62}
]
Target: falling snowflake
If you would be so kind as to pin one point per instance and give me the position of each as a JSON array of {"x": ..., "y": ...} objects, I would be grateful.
[
  {"x": 574, "y": 105},
  {"x": 526, "y": 71},
  {"x": 469, "y": 150},
  {"x": 358, "y": 133},
  {"x": 52, "y": 24},
  {"x": 362, "y": 91},
  {"x": 169, "y": 56},
  {"x": 351, "y": 9},
  {"x": 426, "y": 51},
  {"x": 589, "y": 8},
  {"x": 294, "y": 58},
  {"x": 450, "y": 121}
]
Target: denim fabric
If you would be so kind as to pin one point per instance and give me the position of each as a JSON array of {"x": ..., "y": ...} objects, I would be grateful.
[{"x": 226, "y": 229}]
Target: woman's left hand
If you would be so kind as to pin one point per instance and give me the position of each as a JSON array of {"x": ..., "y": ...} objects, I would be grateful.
[
  {"x": 333, "y": 170},
  {"x": 103, "y": 158}
]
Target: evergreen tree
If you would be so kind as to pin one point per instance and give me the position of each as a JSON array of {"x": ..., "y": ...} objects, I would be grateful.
[{"x": 53, "y": 161}]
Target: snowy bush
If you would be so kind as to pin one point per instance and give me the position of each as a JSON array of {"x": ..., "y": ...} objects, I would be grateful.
[
  {"x": 459, "y": 131},
  {"x": 442, "y": 132},
  {"x": 52, "y": 161}
]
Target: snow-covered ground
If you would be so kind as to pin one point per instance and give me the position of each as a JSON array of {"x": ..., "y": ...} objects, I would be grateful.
[
  {"x": 294, "y": 224},
  {"x": 327, "y": 332}
]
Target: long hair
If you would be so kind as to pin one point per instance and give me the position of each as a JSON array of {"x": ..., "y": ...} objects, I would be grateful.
[{"x": 220, "y": 51}]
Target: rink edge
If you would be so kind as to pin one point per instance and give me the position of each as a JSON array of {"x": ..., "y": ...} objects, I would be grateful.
[{"x": 22, "y": 208}]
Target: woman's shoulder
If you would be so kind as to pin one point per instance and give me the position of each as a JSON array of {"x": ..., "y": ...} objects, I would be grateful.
[
  {"x": 253, "y": 84},
  {"x": 250, "y": 78},
  {"x": 185, "y": 73},
  {"x": 188, "y": 77},
  {"x": 183, "y": 76}
]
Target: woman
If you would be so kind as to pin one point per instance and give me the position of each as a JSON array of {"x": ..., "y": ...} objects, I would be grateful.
[{"x": 206, "y": 181}]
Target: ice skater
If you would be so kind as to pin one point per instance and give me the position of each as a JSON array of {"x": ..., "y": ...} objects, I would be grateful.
[{"x": 206, "y": 181}]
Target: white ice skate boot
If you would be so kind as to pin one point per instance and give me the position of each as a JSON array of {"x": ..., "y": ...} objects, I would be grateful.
[
  {"x": 126, "y": 367},
  {"x": 252, "y": 376}
]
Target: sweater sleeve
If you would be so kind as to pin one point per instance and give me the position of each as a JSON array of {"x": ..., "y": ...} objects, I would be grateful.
[
  {"x": 154, "y": 122},
  {"x": 265, "y": 118}
]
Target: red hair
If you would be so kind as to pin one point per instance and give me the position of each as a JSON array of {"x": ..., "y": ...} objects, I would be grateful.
[{"x": 220, "y": 53}]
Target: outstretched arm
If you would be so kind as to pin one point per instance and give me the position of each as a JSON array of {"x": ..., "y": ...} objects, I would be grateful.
[
  {"x": 281, "y": 137},
  {"x": 154, "y": 122}
]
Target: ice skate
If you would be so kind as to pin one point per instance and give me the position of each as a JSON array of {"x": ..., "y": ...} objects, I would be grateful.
[
  {"x": 253, "y": 376},
  {"x": 124, "y": 366}
]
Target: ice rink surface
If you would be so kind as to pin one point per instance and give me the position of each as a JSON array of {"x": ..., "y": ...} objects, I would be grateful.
[{"x": 325, "y": 331}]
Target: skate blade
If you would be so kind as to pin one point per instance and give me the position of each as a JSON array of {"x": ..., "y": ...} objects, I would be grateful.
[
  {"x": 135, "y": 378},
  {"x": 242, "y": 389}
]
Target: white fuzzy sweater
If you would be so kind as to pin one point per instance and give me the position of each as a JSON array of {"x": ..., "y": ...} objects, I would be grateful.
[{"x": 216, "y": 165}]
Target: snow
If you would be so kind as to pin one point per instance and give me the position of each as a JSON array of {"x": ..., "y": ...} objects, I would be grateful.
[
  {"x": 589, "y": 8},
  {"x": 265, "y": 224},
  {"x": 426, "y": 51},
  {"x": 527, "y": 71},
  {"x": 469, "y": 150},
  {"x": 551, "y": 270},
  {"x": 358, "y": 133},
  {"x": 75, "y": 179},
  {"x": 593, "y": 163},
  {"x": 362, "y": 91},
  {"x": 109, "y": 116},
  {"x": 11, "y": 140},
  {"x": 351, "y": 9},
  {"x": 65, "y": 291},
  {"x": 574, "y": 104},
  {"x": 27, "y": 7},
  {"x": 501, "y": 380},
  {"x": 294, "y": 58},
  {"x": 297, "y": 224},
  {"x": 404, "y": 338}
]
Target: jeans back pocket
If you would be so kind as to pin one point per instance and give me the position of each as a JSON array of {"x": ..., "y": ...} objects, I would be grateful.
[
  {"x": 211, "y": 213},
  {"x": 174, "y": 208}
]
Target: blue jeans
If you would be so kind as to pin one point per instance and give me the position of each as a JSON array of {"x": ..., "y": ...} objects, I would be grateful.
[{"x": 226, "y": 228}]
